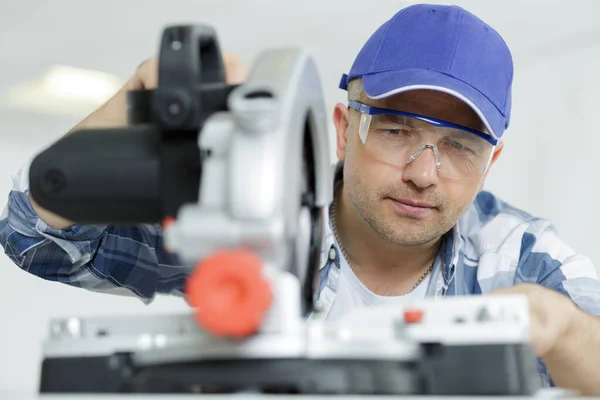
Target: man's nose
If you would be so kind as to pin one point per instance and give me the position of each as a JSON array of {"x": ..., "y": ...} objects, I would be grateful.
[{"x": 422, "y": 170}]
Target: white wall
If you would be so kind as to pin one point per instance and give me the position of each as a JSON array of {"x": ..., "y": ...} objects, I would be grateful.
[
  {"x": 550, "y": 160},
  {"x": 548, "y": 167}
]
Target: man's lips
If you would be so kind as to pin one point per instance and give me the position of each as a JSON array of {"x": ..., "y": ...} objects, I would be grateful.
[
  {"x": 414, "y": 203},
  {"x": 412, "y": 207}
]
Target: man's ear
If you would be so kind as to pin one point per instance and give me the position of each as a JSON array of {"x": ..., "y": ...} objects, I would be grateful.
[
  {"x": 340, "y": 120},
  {"x": 497, "y": 152},
  {"x": 495, "y": 156}
]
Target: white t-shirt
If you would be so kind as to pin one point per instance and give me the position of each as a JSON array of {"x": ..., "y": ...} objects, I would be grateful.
[{"x": 352, "y": 294}]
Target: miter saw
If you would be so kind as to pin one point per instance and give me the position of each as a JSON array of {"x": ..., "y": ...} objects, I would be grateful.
[{"x": 239, "y": 176}]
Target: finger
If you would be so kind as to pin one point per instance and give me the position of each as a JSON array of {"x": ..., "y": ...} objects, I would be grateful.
[
  {"x": 236, "y": 71},
  {"x": 147, "y": 73},
  {"x": 145, "y": 77}
]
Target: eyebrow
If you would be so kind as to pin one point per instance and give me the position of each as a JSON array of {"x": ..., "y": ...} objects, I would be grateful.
[{"x": 389, "y": 117}]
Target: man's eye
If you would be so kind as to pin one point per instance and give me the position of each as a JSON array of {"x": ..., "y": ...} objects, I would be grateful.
[
  {"x": 457, "y": 145},
  {"x": 400, "y": 130}
]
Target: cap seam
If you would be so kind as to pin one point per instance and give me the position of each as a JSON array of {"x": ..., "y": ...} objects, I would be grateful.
[
  {"x": 387, "y": 30},
  {"x": 510, "y": 81},
  {"x": 457, "y": 36},
  {"x": 450, "y": 76}
]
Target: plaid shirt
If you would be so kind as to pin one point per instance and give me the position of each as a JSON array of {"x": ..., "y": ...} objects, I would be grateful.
[{"x": 494, "y": 245}]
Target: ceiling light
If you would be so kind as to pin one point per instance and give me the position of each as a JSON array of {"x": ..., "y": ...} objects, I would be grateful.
[{"x": 64, "y": 90}]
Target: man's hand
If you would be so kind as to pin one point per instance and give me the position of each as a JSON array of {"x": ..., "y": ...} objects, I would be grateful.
[
  {"x": 565, "y": 337},
  {"x": 550, "y": 315},
  {"x": 114, "y": 112}
]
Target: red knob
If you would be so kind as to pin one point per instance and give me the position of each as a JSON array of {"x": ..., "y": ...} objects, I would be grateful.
[{"x": 230, "y": 294}]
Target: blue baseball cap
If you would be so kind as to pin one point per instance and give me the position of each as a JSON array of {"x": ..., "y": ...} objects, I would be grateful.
[{"x": 443, "y": 48}]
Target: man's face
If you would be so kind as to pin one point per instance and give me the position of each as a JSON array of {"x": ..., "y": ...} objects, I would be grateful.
[{"x": 410, "y": 204}]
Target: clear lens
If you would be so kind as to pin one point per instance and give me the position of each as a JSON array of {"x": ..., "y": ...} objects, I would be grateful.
[{"x": 401, "y": 139}]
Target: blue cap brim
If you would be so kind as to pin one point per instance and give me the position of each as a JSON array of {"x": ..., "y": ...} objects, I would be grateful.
[{"x": 381, "y": 85}]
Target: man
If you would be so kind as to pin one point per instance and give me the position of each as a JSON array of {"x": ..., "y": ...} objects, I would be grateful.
[{"x": 429, "y": 100}]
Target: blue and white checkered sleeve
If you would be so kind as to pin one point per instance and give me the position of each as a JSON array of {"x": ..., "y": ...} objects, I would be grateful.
[
  {"x": 547, "y": 260},
  {"x": 117, "y": 260}
]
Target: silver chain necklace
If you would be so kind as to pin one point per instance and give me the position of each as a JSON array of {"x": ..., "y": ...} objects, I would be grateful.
[{"x": 333, "y": 212}]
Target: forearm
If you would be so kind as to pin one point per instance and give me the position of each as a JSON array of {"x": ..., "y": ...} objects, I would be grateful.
[
  {"x": 54, "y": 221},
  {"x": 575, "y": 362},
  {"x": 110, "y": 115}
]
